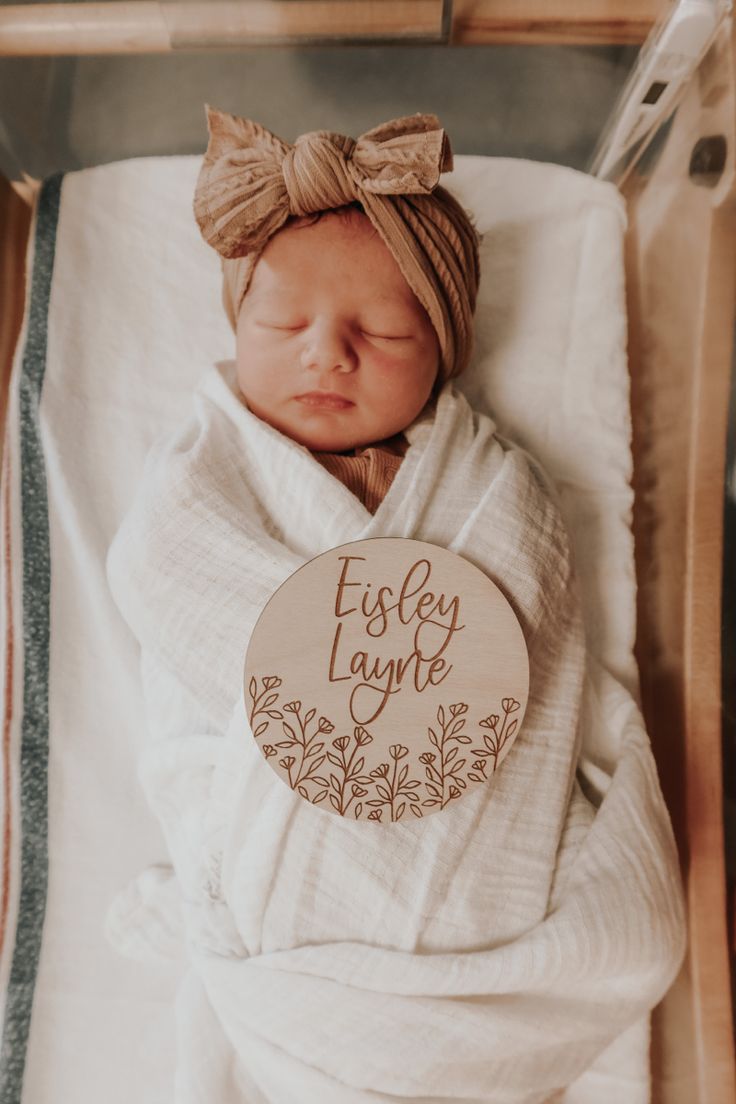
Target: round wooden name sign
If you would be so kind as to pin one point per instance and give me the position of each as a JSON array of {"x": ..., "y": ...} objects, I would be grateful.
[{"x": 386, "y": 678}]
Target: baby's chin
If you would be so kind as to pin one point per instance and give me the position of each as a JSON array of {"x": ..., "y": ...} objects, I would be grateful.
[{"x": 330, "y": 438}]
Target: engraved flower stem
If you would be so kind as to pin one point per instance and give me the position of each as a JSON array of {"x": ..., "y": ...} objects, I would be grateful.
[
  {"x": 393, "y": 787},
  {"x": 264, "y": 703},
  {"x": 442, "y": 762},
  {"x": 306, "y": 743},
  {"x": 346, "y": 778},
  {"x": 303, "y": 743}
]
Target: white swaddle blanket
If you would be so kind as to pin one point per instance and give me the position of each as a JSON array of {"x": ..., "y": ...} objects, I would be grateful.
[{"x": 486, "y": 954}]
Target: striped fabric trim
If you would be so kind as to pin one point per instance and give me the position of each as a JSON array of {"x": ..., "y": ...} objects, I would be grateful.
[
  {"x": 8, "y": 653},
  {"x": 34, "y": 725}
]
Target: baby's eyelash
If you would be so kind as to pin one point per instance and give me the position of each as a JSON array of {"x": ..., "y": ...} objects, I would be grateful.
[
  {"x": 366, "y": 333},
  {"x": 386, "y": 337}
]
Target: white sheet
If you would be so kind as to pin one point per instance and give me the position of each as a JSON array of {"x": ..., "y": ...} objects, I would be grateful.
[{"x": 134, "y": 319}]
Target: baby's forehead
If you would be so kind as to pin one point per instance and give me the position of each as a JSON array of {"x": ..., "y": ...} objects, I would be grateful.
[{"x": 287, "y": 283}]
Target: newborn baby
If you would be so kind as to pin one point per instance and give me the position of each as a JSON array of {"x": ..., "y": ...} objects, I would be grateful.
[
  {"x": 508, "y": 948},
  {"x": 379, "y": 291},
  {"x": 334, "y": 349}
]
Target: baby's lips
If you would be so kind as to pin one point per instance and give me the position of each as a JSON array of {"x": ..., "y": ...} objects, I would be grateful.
[{"x": 327, "y": 400}]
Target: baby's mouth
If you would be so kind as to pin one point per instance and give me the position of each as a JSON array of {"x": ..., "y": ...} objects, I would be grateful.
[{"x": 327, "y": 400}]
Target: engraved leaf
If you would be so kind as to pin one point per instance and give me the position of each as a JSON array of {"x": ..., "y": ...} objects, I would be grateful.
[{"x": 315, "y": 765}]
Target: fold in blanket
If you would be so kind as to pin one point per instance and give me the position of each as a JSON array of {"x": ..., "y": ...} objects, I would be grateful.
[{"x": 489, "y": 953}]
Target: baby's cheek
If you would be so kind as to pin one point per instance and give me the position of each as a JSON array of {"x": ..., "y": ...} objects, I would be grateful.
[{"x": 409, "y": 373}]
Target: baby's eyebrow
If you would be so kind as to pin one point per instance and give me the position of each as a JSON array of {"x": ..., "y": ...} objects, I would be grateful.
[
  {"x": 277, "y": 295},
  {"x": 260, "y": 293},
  {"x": 291, "y": 296}
]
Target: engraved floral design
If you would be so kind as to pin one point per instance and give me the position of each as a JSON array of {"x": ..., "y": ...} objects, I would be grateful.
[
  {"x": 443, "y": 768},
  {"x": 494, "y": 743},
  {"x": 392, "y": 790},
  {"x": 388, "y": 787},
  {"x": 296, "y": 736},
  {"x": 350, "y": 772},
  {"x": 263, "y": 703}
]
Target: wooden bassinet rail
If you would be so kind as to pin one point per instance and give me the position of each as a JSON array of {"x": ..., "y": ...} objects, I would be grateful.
[
  {"x": 681, "y": 302},
  {"x": 681, "y": 276},
  {"x": 139, "y": 26}
]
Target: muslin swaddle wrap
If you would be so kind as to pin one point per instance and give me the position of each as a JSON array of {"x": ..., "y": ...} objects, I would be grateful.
[
  {"x": 251, "y": 182},
  {"x": 490, "y": 953}
]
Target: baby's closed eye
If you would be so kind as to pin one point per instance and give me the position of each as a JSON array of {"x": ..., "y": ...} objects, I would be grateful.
[
  {"x": 296, "y": 326},
  {"x": 280, "y": 324},
  {"x": 387, "y": 337}
]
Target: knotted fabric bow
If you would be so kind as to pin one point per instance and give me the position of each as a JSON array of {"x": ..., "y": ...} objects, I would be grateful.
[{"x": 251, "y": 182}]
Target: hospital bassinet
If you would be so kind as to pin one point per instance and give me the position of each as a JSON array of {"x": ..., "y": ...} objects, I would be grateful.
[{"x": 679, "y": 263}]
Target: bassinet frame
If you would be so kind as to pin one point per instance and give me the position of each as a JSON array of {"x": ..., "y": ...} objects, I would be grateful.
[{"x": 681, "y": 344}]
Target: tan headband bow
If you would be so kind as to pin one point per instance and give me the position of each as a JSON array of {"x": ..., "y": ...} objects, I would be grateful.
[{"x": 251, "y": 182}]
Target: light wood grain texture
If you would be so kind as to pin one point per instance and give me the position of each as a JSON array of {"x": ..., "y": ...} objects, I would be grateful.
[
  {"x": 137, "y": 26},
  {"x": 404, "y": 650},
  {"x": 681, "y": 260},
  {"x": 540, "y": 22}
]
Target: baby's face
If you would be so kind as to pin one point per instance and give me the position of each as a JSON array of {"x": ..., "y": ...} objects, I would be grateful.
[{"x": 328, "y": 310}]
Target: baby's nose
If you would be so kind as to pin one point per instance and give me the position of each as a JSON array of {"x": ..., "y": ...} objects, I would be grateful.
[{"x": 329, "y": 345}]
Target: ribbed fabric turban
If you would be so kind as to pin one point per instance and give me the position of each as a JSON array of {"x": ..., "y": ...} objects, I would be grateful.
[{"x": 251, "y": 182}]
